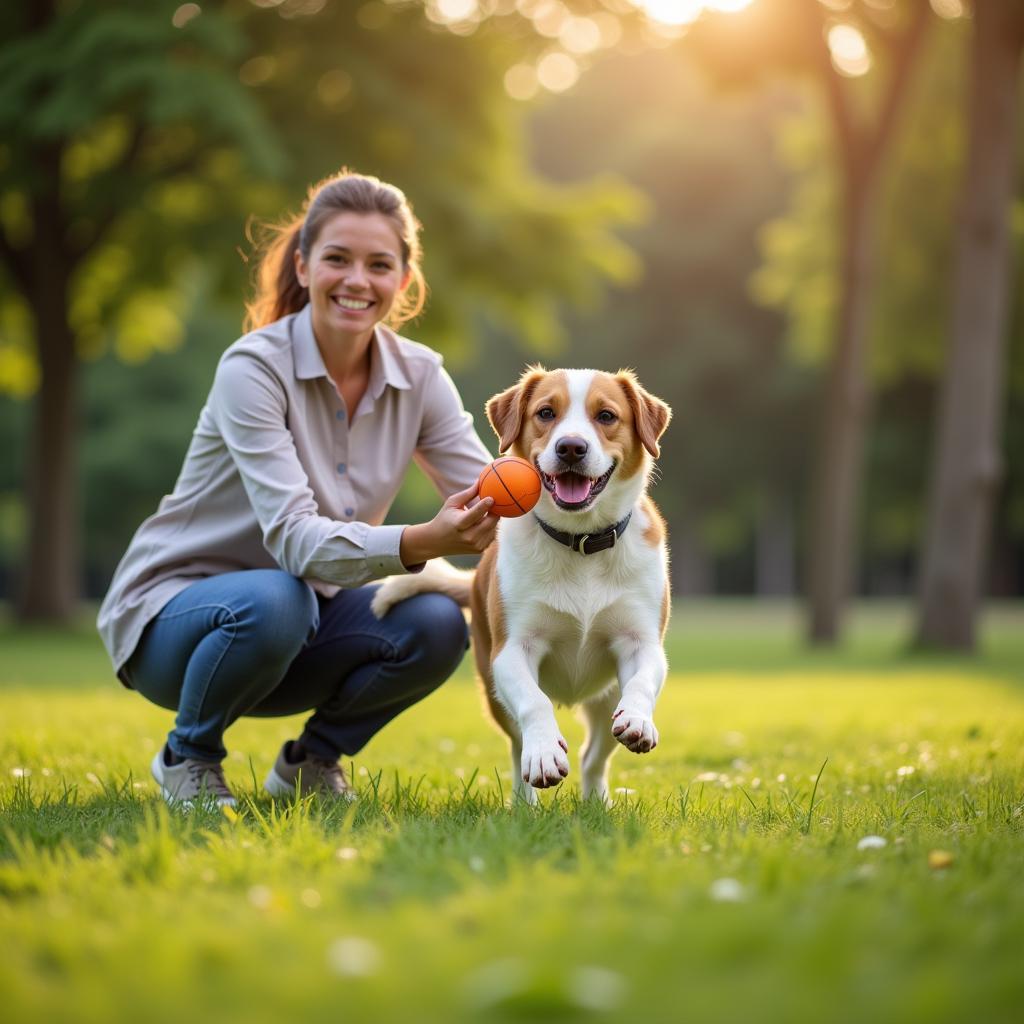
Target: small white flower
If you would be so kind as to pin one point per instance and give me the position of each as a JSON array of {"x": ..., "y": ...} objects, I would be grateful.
[
  {"x": 495, "y": 982},
  {"x": 260, "y": 897},
  {"x": 872, "y": 843},
  {"x": 707, "y": 777},
  {"x": 446, "y": 746},
  {"x": 477, "y": 864},
  {"x": 596, "y": 988},
  {"x": 346, "y": 853},
  {"x": 727, "y": 890},
  {"x": 21, "y": 773},
  {"x": 624, "y": 791},
  {"x": 353, "y": 956},
  {"x": 907, "y": 769}
]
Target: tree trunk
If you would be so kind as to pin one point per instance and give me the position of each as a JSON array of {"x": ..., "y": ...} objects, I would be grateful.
[
  {"x": 692, "y": 569},
  {"x": 775, "y": 546},
  {"x": 50, "y": 583},
  {"x": 966, "y": 463},
  {"x": 837, "y": 480}
]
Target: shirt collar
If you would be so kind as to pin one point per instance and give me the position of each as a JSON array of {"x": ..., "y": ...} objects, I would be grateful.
[{"x": 387, "y": 367}]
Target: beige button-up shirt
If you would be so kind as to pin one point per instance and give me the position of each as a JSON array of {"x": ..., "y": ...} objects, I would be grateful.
[{"x": 280, "y": 474}]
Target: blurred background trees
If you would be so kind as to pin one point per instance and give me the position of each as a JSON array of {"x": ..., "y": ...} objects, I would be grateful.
[{"x": 602, "y": 182}]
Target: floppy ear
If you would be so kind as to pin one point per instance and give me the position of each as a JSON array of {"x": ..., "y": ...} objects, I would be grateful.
[
  {"x": 507, "y": 410},
  {"x": 651, "y": 415}
]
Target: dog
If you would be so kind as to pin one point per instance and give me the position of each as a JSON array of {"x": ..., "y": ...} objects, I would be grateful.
[{"x": 569, "y": 604}]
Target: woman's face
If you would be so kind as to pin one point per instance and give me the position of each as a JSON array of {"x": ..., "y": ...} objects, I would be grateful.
[{"x": 354, "y": 274}]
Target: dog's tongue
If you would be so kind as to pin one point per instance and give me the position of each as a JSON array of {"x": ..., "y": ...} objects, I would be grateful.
[{"x": 572, "y": 488}]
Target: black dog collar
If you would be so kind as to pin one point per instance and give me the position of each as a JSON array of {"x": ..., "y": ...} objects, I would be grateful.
[{"x": 587, "y": 543}]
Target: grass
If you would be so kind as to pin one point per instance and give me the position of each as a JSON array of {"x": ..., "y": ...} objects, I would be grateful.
[{"x": 726, "y": 883}]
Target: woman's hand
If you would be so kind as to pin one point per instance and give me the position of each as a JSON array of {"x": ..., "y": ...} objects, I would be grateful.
[{"x": 455, "y": 530}]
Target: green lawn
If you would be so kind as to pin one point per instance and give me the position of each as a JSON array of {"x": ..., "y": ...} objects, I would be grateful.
[{"x": 726, "y": 884}]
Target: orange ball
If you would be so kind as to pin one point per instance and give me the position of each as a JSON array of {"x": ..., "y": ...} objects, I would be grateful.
[{"x": 514, "y": 485}]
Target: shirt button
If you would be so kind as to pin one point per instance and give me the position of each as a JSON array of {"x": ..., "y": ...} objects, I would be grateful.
[
  {"x": 341, "y": 467},
  {"x": 350, "y": 511},
  {"x": 340, "y": 414}
]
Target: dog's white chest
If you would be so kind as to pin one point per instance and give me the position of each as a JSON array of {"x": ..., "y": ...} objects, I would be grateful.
[{"x": 574, "y": 608}]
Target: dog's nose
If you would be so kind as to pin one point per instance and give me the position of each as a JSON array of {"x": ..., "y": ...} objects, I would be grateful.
[{"x": 571, "y": 449}]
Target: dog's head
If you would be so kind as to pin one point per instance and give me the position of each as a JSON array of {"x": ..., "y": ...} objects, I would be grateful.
[{"x": 590, "y": 433}]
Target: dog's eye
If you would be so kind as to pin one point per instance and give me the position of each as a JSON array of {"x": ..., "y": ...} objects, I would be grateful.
[
  {"x": 545, "y": 413},
  {"x": 606, "y": 416}
]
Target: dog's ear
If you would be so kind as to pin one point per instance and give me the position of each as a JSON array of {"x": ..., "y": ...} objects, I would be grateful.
[
  {"x": 507, "y": 410},
  {"x": 651, "y": 415}
]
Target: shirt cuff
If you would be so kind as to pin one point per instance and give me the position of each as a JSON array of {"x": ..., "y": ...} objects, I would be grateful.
[{"x": 382, "y": 552}]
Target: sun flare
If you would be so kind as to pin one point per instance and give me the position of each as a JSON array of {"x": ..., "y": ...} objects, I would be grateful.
[{"x": 684, "y": 12}]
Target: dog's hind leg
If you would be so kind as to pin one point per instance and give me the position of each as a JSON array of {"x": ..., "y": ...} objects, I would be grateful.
[{"x": 599, "y": 744}]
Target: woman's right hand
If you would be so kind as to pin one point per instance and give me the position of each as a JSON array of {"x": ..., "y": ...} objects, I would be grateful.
[{"x": 455, "y": 530}]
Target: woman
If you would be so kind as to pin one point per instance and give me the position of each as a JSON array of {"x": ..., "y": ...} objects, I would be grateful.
[{"x": 243, "y": 594}]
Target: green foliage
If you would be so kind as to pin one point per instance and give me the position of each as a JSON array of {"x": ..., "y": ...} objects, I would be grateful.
[
  {"x": 104, "y": 109},
  {"x": 190, "y": 126},
  {"x": 688, "y": 326},
  {"x": 730, "y": 859},
  {"x": 798, "y": 275}
]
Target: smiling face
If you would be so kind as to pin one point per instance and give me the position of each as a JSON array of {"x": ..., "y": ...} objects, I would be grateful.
[
  {"x": 588, "y": 432},
  {"x": 354, "y": 273}
]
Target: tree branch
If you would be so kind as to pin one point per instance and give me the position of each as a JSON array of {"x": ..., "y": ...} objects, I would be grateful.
[
  {"x": 904, "y": 50},
  {"x": 102, "y": 224},
  {"x": 16, "y": 261},
  {"x": 847, "y": 135}
]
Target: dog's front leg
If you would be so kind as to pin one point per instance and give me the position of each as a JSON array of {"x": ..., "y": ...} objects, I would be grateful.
[
  {"x": 542, "y": 761},
  {"x": 642, "y": 670}
]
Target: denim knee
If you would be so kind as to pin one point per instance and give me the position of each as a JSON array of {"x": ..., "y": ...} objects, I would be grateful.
[
  {"x": 284, "y": 610},
  {"x": 440, "y": 635}
]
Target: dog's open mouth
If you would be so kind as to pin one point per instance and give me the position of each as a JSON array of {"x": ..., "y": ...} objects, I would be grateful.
[{"x": 574, "y": 491}]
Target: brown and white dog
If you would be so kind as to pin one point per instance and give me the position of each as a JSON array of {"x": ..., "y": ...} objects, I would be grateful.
[{"x": 570, "y": 603}]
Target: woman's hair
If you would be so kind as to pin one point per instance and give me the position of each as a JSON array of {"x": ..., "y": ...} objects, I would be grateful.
[{"x": 278, "y": 291}]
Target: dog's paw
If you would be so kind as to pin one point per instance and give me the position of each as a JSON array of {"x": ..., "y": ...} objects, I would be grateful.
[
  {"x": 391, "y": 591},
  {"x": 634, "y": 730},
  {"x": 545, "y": 763}
]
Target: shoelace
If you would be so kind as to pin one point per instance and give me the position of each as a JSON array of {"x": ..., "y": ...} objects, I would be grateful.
[
  {"x": 331, "y": 773},
  {"x": 210, "y": 775}
]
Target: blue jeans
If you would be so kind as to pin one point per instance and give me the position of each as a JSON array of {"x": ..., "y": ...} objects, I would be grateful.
[{"x": 262, "y": 643}]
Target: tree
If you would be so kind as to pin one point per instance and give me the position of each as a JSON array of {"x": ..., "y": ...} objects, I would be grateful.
[
  {"x": 831, "y": 43},
  {"x": 137, "y": 138},
  {"x": 909, "y": 320},
  {"x": 967, "y": 461},
  {"x": 96, "y": 109},
  {"x": 729, "y": 478}
]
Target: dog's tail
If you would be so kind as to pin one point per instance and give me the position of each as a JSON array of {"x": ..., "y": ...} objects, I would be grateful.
[{"x": 438, "y": 576}]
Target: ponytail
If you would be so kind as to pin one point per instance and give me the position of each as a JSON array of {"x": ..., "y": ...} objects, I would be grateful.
[{"x": 278, "y": 291}]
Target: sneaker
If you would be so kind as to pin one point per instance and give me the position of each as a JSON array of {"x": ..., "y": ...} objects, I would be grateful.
[
  {"x": 310, "y": 775},
  {"x": 191, "y": 781}
]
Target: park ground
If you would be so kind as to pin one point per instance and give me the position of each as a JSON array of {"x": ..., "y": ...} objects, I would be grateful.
[{"x": 820, "y": 836}]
